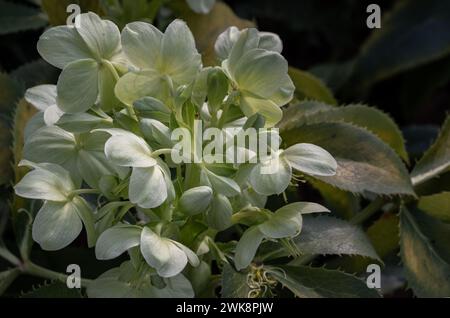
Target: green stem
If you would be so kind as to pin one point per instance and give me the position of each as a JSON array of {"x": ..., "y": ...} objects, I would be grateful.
[
  {"x": 358, "y": 219},
  {"x": 36, "y": 270},
  {"x": 368, "y": 211},
  {"x": 7, "y": 255}
]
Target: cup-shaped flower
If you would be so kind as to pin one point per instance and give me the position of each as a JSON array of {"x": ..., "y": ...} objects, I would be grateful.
[
  {"x": 255, "y": 39},
  {"x": 260, "y": 76},
  {"x": 150, "y": 181},
  {"x": 167, "y": 256},
  {"x": 60, "y": 219},
  {"x": 81, "y": 154},
  {"x": 273, "y": 174},
  {"x": 86, "y": 54},
  {"x": 286, "y": 222},
  {"x": 165, "y": 60}
]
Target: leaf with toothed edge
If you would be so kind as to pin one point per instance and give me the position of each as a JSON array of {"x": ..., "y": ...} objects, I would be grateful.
[
  {"x": 314, "y": 282},
  {"x": 428, "y": 274},
  {"x": 53, "y": 289},
  {"x": 325, "y": 235},
  {"x": 370, "y": 118},
  {"x": 436, "y": 159},
  {"x": 365, "y": 163}
]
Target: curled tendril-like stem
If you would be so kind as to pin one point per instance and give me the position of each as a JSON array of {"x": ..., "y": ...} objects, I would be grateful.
[{"x": 261, "y": 285}]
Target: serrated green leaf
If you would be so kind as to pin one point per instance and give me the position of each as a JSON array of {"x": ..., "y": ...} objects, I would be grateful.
[
  {"x": 365, "y": 163},
  {"x": 15, "y": 17},
  {"x": 413, "y": 33},
  {"x": 52, "y": 290},
  {"x": 437, "y": 158},
  {"x": 10, "y": 92},
  {"x": 7, "y": 278},
  {"x": 234, "y": 284},
  {"x": 428, "y": 274},
  {"x": 308, "y": 86},
  {"x": 310, "y": 282},
  {"x": 6, "y": 171},
  {"x": 374, "y": 120},
  {"x": 384, "y": 237},
  {"x": 324, "y": 235},
  {"x": 35, "y": 73},
  {"x": 437, "y": 205}
]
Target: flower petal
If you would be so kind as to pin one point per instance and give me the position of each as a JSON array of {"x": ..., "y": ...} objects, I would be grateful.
[
  {"x": 247, "y": 246},
  {"x": 219, "y": 215},
  {"x": 47, "y": 182},
  {"x": 272, "y": 177},
  {"x": 181, "y": 61},
  {"x": 41, "y": 96},
  {"x": 262, "y": 73},
  {"x": 78, "y": 86},
  {"x": 117, "y": 240},
  {"x": 50, "y": 144},
  {"x": 142, "y": 44},
  {"x": 62, "y": 45},
  {"x": 102, "y": 37},
  {"x": 56, "y": 225},
  {"x": 311, "y": 159},
  {"x": 162, "y": 254},
  {"x": 148, "y": 187},
  {"x": 134, "y": 86},
  {"x": 129, "y": 151}
]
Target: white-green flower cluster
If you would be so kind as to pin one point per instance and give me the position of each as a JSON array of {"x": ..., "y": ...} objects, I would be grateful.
[{"x": 100, "y": 149}]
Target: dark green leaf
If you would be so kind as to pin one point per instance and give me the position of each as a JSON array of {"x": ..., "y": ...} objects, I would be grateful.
[
  {"x": 35, "y": 73},
  {"x": 324, "y": 235},
  {"x": 436, "y": 160},
  {"x": 234, "y": 284},
  {"x": 374, "y": 120},
  {"x": 414, "y": 33},
  {"x": 428, "y": 274},
  {"x": 310, "y": 282},
  {"x": 308, "y": 86},
  {"x": 365, "y": 163},
  {"x": 436, "y": 205},
  {"x": 53, "y": 290},
  {"x": 16, "y": 17}
]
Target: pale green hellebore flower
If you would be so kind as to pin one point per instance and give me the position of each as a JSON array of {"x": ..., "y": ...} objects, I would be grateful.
[
  {"x": 165, "y": 61},
  {"x": 259, "y": 75},
  {"x": 262, "y": 40},
  {"x": 81, "y": 154},
  {"x": 167, "y": 256},
  {"x": 150, "y": 181},
  {"x": 87, "y": 56},
  {"x": 126, "y": 282},
  {"x": 273, "y": 175},
  {"x": 60, "y": 219},
  {"x": 286, "y": 222}
]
